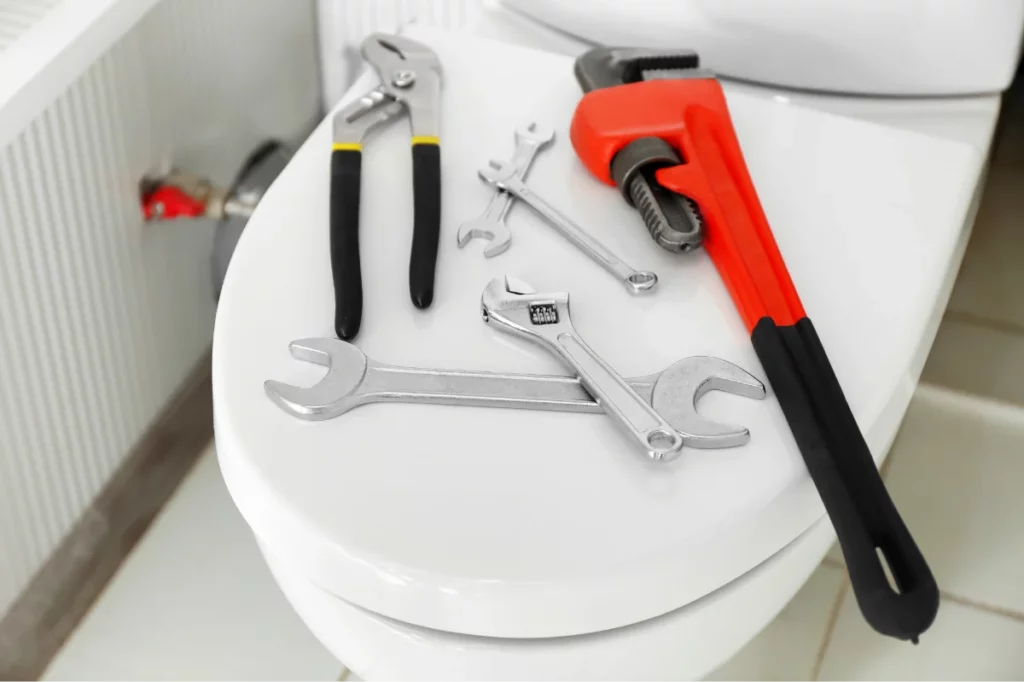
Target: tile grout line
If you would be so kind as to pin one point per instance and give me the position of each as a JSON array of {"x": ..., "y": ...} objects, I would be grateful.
[
  {"x": 67, "y": 586},
  {"x": 1005, "y": 409},
  {"x": 982, "y": 606},
  {"x": 830, "y": 627},
  {"x": 1013, "y": 614},
  {"x": 989, "y": 323},
  {"x": 833, "y": 563}
]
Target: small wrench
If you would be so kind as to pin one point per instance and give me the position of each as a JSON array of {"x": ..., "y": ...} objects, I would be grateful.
[
  {"x": 515, "y": 308},
  {"x": 502, "y": 174},
  {"x": 354, "y": 379},
  {"x": 491, "y": 225}
]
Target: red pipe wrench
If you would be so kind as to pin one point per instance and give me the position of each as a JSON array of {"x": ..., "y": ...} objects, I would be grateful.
[{"x": 658, "y": 126}]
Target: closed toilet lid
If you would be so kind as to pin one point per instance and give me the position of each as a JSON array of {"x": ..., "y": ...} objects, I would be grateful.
[{"x": 515, "y": 523}]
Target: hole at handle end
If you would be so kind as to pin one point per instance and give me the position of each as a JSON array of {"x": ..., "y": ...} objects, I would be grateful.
[
  {"x": 887, "y": 570},
  {"x": 662, "y": 441}
]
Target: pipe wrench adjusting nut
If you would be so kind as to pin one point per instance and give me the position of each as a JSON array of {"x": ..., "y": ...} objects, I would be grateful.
[{"x": 673, "y": 220}]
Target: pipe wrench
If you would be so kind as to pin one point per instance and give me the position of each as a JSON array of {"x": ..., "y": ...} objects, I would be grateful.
[
  {"x": 657, "y": 126},
  {"x": 410, "y": 76}
]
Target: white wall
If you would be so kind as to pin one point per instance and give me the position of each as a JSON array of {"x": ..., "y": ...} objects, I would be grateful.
[
  {"x": 101, "y": 315},
  {"x": 344, "y": 24}
]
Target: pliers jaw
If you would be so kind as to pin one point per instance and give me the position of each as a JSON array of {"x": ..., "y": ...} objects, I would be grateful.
[{"x": 410, "y": 74}]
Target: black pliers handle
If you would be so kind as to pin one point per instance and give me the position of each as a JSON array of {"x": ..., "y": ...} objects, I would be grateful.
[{"x": 411, "y": 83}]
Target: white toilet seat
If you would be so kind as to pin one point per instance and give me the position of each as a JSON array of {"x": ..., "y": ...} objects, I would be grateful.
[
  {"x": 685, "y": 644},
  {"x": 443, "y": 538}
]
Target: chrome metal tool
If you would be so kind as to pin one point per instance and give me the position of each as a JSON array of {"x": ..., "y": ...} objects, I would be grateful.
[
  {"x": 512, "y": 306},
  {"x": 502, "y": 174},
  {"x": 530, "y": 140},
  {"x": 410, "y": 75},
  {"x": 353, "y": 379}
]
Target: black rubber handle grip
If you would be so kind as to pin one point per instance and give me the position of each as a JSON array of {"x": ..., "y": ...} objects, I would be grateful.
[
  {"x": 426, "y": 231},
  {"x": 346, "y": 172},
  {"x": 866, "y": 521}
]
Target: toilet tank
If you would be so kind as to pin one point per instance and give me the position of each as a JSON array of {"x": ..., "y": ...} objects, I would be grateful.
[{"x": 879, "y": 47}]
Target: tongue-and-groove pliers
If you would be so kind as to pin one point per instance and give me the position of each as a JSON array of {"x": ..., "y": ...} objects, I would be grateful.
[{"x": 410, "y": 74}]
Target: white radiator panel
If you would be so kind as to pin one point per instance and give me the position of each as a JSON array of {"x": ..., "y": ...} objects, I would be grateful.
[
  {"x": 102, "y": 316},
  {"x": 18, "y": 16}
]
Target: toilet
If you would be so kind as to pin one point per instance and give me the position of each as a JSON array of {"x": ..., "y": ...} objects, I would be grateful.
[{"x": 444, "y": 542}]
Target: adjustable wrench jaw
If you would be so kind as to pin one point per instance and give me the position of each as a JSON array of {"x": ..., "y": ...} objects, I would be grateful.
[{"x": 516, "y": 308}]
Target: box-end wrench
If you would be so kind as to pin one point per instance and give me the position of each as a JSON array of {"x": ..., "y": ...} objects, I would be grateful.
[
  {"x": 502, "y": 174},
  {"x": 353, "y": 379},
  {"x": 512, "y": 306},
  {"x": 530, "y": 140}
]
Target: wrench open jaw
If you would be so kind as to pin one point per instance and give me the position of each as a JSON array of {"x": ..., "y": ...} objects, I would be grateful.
[
  {"x": 332, "y": 395},
  {"x": 673, "y": 392},
  {"x": 502, "y": 174},
  {"x": 530, "y": 140},
  {"x": 513, "y": 307}
]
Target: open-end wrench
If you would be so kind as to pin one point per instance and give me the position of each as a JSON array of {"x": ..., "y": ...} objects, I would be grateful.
[
  {"x": 530, "y": 139},
  {"x": 502, "y": 174},
  {"x": 514, "y": 307},
  {"x": 354, "y": 379}
]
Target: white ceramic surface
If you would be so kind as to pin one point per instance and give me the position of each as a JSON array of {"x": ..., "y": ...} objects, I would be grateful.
[
  {"x": 520, "y": 524},
  {"x": 193, "y": 602},
  {"x": 874, "y": 47},
  {"x": 958, "y": 482},
  {"x": 684, "y": 644},
  {"x": 970, "y": 119},
  {"x": 964, "y": 644}
]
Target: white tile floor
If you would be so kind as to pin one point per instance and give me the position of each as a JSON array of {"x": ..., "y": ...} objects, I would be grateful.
[
  {"x": 956, "y": 470},
  {"x": 194, "y": 600}
]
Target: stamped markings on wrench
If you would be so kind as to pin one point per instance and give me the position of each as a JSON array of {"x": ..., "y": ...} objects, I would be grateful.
[
  {"x": 354, "y": 379},
  {"x": 491, "y": 226},
  {"x": 501, "y": 174},
  {"x": 510, "y": 306}
]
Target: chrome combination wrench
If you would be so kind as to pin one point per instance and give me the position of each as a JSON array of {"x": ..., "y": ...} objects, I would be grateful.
[
  {"x": 353, "y": 379},
  {"x": 502, "y": 174},
  {"x": 491, "y": 226},
  {"x": 515, "y": 308}
]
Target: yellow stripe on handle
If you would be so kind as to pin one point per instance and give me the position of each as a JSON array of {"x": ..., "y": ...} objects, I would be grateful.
[
  {"x": 425, "y": 139},
  {"x": 347, "y": 146}
]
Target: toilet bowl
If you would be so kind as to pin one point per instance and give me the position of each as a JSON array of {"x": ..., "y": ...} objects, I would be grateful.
[{"x": 452, "y": 542}]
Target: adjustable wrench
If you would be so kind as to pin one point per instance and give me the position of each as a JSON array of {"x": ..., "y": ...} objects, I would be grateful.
[
  {"x": 491, "y": 225},
  {"x": 354, "y": 379},
  {"x": 502, "y": 174},
  {"x": 515, "y": 308}
]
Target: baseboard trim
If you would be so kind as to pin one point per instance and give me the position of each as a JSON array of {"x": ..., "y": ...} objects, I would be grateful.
[{"x": 65, "y": 588}]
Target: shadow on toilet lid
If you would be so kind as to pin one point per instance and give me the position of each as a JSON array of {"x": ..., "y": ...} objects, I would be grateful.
[{"x": 513, "y": 523}]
